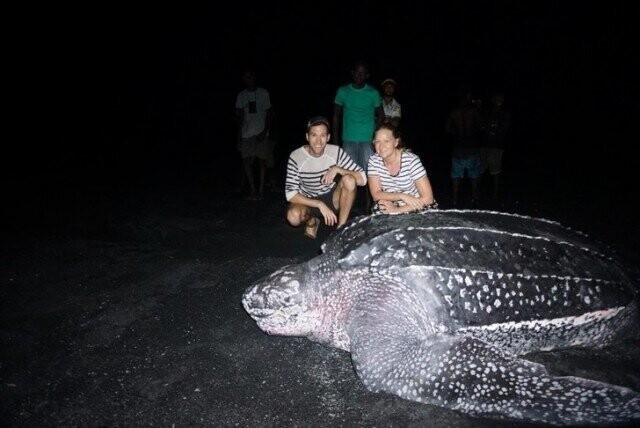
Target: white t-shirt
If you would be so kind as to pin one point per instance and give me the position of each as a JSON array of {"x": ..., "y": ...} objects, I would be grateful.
[
  {"x": 392, "y": 109},
  {"x": 253, "y": 122}
]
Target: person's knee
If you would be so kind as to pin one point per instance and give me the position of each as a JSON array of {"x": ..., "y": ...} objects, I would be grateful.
[
  {"x": 294, "y": 217},
  {"x": 348, "y": 183}
]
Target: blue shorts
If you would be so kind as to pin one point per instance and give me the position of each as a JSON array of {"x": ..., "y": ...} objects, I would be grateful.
[
  {"x": 471, "y": 164},
  {"x": 359, "y": 151}
]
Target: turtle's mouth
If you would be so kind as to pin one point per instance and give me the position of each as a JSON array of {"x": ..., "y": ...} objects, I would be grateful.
[
  {"x": 276, "y": 322},
  {"x": 266, "y": 314},
  {"x": 256, "y": 306}
]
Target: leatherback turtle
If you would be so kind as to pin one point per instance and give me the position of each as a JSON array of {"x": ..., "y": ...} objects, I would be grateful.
[{"x": 437, "y": 308}]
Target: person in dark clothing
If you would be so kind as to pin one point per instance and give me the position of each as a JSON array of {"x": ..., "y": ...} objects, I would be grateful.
[
  {"x": 463, "y": 124},
  {"x": 496, "y": 123}
]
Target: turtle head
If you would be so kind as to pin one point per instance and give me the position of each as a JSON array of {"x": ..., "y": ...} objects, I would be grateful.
[{"x": 279, "y": 303}]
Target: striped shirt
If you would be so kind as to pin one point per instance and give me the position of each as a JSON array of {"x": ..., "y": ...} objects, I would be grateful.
[
  {"x": 304, "y": 171},
  {"x": 411, "y": 170}
]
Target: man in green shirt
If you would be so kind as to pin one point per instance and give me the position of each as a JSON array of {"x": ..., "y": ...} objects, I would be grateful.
[{"x": 357, "y": 111}]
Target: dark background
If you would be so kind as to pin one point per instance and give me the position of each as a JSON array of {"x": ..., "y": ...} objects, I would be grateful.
[
  {"x": 125, "y": 253},
  {"x": 115, "y": 94},
  {"x": 134, "y": 96}
]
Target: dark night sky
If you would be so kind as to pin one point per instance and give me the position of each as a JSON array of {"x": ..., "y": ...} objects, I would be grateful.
[{"x": 128, "y": 93}]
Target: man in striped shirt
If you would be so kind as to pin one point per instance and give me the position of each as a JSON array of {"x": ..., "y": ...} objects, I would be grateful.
[{"x": 321, "y": 181}]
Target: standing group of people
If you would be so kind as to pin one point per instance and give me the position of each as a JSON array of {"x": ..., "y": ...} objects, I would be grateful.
[
  {"x": 478, "y": 138},
  {"x": 323, "y": 176}
]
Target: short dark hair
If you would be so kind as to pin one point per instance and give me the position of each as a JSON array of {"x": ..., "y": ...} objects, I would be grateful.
[
  {"x": 360, "y": 62},
  {"x": 318, "y": 120}
]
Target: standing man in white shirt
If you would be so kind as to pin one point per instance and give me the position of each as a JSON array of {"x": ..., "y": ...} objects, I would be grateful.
[{"x": 253, "y": 111}]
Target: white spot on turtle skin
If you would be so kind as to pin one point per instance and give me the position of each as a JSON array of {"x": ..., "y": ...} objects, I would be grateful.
[
  {"x": 497, "y": 303},
  {"x": 400, "y": 254},
  {"x": 587, "y": 300}
]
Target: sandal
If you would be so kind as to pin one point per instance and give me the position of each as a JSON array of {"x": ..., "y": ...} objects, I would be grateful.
[{"x": 311, "y": 228}]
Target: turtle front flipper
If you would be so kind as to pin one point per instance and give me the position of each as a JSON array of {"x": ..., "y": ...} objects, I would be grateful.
[{"x": 471, "y": 376}]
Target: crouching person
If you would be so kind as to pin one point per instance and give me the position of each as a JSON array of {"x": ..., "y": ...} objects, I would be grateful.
[{"x": 321, "y": 181}]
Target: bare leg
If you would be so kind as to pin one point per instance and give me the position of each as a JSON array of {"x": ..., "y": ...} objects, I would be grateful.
[
  {"x": 298, "y": 214},
  {"x": 248, "y": 170},
  {"x": 475, "y": 190},
  {"x": 345, "y": 195},
  {"x": 263, "y": 171},
  {"x": 456, "y": 191}
]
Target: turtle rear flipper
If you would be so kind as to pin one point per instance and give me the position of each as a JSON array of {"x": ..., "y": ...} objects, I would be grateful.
[{"x": 471, "y": 376}]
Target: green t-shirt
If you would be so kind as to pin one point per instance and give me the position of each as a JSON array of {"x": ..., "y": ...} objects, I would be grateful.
[{"x": 358, "y": 111}]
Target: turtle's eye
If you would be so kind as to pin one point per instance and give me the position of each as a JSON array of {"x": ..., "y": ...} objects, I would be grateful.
[{"x": 293, "y": 296}]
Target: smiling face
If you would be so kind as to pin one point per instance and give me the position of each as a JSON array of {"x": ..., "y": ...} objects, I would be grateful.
[
  {"x": 385, "y": 143},
  {"x": 359, "y": 74},
  {"x": 279, "y": 303},
  {"x": 318, "y": 136}
]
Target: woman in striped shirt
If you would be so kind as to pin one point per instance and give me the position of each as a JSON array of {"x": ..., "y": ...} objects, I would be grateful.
[{"x": 397, "y": 180}]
